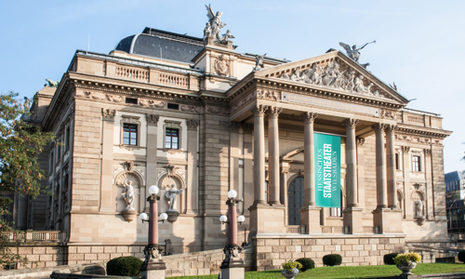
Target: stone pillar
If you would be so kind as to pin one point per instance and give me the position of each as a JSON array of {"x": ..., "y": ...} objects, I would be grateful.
[
  {"x": 192, "y": 171},
  {"x": 391, "y": 167},
  {"x": 385, "y": 220},
  {"x": 263, "y": 218},
  {"x": 259, "y": 155},
  {"x": 351, "y": 162},
  {"x": 405, "y": 173},
  {"x": 352, "y": 214},
  {"x": 309, "y": 214},
  {"x": 151, "y": 156},
  {"x": 273, "y": 154},
  {"x": 106, "y": 184}
]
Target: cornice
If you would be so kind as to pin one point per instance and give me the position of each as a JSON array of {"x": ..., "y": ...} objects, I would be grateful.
[{"x": 423, "y": 131}]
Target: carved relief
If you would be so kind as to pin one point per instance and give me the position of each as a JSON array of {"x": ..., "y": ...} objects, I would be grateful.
[
  {"x": 108, "y": 114},
  {"x": 268, "y": 95},
  {"x": 336, "y": 76},
  {"x": 114, "y": 98},
  {"x": 190, "y": 108},
  {"x": 221, "y": 65},
  {"x": 387, "y": 114},
  {"x": 152, "y": 103},
  {"x": 94, "y": 96}
]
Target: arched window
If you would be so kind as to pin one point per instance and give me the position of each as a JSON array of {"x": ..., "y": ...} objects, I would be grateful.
[{"x": 295, "y": 197}]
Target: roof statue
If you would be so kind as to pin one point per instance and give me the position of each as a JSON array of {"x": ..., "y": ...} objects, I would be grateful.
[
  {"x": 226, "y": 36},
  {"x": 354, "y": 51},
  {"x": 214, "y": 24},
  {"x": 259, "y": 62},
  {"x": 51, "y": 83}
]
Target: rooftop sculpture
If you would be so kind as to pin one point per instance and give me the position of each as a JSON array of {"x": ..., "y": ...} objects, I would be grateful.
[
  {"x": 354, "y": 51},
  {"x": 213, "y": 27}
]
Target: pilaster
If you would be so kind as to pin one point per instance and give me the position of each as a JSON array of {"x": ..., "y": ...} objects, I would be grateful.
[
  {"x": 151, "y": 155},
  {"x": 192, "y": 159},
  {"x": 106, "y": 184}
]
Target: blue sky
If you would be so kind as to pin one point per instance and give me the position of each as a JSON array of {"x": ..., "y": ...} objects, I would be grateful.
[{"x": 419, "y": 44}]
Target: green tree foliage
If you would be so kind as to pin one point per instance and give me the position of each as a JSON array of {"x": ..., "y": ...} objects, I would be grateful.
[{"x": 20, "y": 145}]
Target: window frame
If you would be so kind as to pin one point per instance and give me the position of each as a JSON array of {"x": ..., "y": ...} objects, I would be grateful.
[
  {"x": 130, "y": 120},
  {"x": 416, "y": 164},
  {"x": 172, "y": 125},
  {"x": 132, "y": 130}
]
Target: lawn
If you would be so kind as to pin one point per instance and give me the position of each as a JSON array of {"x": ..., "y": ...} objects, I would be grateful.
[{"x": 350, "y": 271}]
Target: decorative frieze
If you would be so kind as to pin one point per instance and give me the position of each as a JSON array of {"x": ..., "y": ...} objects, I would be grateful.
[
  {"x": 268, "y": 95},
  {"x": 334, "y": 75},
  {"x": 152, "y": 103}
]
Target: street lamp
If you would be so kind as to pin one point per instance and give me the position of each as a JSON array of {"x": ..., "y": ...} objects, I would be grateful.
[
  {"x": 232, "y": 265},
  {"x": 153, "y": 266}
]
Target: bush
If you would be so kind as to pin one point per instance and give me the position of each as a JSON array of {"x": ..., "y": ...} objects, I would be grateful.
[
  {"x": 124, "y": 266},
  {"x": 407, "y": 258},
  {"x": 332, "y": 259},
  {"x": 306, "y": 263},
  {"x": 389, "y": 258},
  {"x": 462, "y": 256}
]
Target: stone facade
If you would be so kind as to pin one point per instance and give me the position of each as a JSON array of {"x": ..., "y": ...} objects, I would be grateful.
[{"x": 215, "y": 122}]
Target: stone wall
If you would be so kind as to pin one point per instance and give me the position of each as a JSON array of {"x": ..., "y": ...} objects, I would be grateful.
[
  {"x": 40, "y": 254},
  {"x": 86, "y": 254},
  {"x": 272, "y": 251},
  {"x": 197, "y": 263}
]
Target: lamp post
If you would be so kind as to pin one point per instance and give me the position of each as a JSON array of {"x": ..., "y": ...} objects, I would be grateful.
[
  {"x": 232, "y": 266},
  {"x": 153, "y": 266}
]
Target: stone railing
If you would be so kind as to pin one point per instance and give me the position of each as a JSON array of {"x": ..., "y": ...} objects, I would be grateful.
[
  {"x": 174, "y": 80},
  {"x": 37, "y": 236},
  {"x": 132, "y": 73}
]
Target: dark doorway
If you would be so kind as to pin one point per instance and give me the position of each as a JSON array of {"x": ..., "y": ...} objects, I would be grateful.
[{"x": 295, "y": 195}]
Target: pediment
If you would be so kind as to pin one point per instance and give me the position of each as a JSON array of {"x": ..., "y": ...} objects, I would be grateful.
[{"x": 333, "y": 72}]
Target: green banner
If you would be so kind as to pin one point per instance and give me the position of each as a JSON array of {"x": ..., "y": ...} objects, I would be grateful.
[{"x": 327, "y": 170}]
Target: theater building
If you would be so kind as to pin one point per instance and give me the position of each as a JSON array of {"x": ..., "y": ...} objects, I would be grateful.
[{"x": 325, "y": 156}]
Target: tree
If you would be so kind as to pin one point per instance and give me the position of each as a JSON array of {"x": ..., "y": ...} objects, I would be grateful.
[{"x": 21, "y": 142}]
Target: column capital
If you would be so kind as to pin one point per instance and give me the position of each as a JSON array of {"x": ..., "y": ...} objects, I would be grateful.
[
  {"x": 259, "y": 110},
  {"x": 152, "y": 119},
  {"x": 379, "y": 126},
  {"x": 427, "y": 151},
  {"x": 108, "y": 114},
  {"x": 405, "y": 149},
  {"x": 390, "y": 127},
  {"x": 351, "y": 123},
  {"x": 192, "y": 123},
  {"x": 274, "y": 111},
  {"x": 309, "y": 117},
  {"x": 360, "y": 140}
]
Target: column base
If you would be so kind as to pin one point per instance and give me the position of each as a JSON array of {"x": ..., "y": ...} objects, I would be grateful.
[
  {"x": 267, "y": 219},
  {"x": 386, "y": 220},
  {"x": 353, "y": 220},
  {"x": 155, "y": 270},
  {"x": 310, "y": 219}
]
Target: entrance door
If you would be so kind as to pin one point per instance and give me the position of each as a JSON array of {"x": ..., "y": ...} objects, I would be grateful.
[{"x": 295, "y": 197}]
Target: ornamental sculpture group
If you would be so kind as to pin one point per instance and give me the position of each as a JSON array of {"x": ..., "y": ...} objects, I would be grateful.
[
  {"x": 213, "y": 27},
  {"x": 332, "y": 75}
]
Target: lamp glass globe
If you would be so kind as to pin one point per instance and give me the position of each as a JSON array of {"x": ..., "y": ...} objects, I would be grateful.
[
  {"x": 163, "y": 216},
  {"x": 143, "y": 216},
  {"x": 223, "y": 218},
  {"x": 232, "y": 194},
  {"x": 154, "y": 190},
  {"x": 240, "y": 218}
]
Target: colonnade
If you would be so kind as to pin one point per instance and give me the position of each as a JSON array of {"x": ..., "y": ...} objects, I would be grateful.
[{"x": 385, "y": 168}]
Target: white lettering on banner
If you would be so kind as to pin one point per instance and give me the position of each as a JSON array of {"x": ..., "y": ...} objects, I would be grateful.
[{"x": 327, "y": 167}]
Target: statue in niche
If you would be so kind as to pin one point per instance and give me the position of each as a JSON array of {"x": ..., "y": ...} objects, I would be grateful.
[
  {"x": 418, "y": 209},
  {"x": 170, "y": 195},
  {"x": 215, "y": 23},
  {"x": 128, "y": 195},
  {"x": 354, "y": 51}
]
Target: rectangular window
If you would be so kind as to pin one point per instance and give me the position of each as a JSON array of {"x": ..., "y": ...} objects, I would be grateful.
[
  {"x": 129, "y": 134},
  {"x": 59, "y": 146},
  {"x": 397, "y": 161},
  {"x": 172, "y": 138},
  {"x": 416, "y": 163},
  {"x": 67, "y": 139}
]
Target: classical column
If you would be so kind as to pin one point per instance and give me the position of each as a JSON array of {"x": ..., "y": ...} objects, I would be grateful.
[
  {"x": 192, "y": 179},
  {"x": 273, "y": 154},
  {"x": 391, "y": 167},
  {"x": 351, "y": 161},
  {"x": 309, "y": 163},
  {"x": 106, "y": 184},
  {"x": 380, "y": 166},
  {"x": 259, "y": 155}
]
